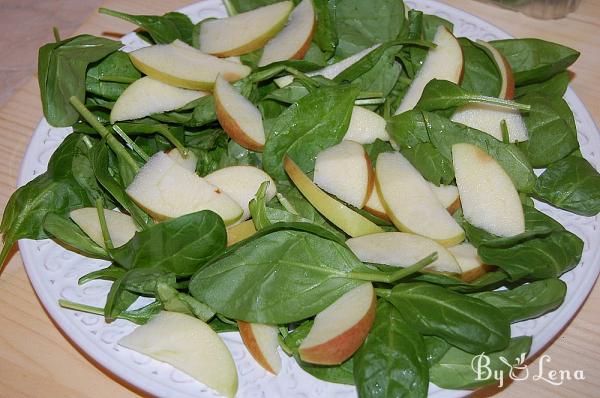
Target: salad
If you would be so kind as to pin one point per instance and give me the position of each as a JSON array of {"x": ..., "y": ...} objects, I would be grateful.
[{"x": 344, "y": 182}]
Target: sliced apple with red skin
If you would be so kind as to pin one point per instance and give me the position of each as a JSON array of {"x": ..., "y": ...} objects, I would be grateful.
[
  {"x": 489, "y": 198},
  {"x": 240, "y": 119},
  {"x": 187, "y": 161},
  {"x": 241, "y": 184},
  {"x": 293, "y": 41},
  {"x": 411, "y": 204},
  {"x": 262, "y": 342},
  {"x": 343, "y": 217},
  {"x": 183, "y": 66},
  {"x": 507, "y": 89},
  {"x": 147, "y": 96},
  {"x": 239, "y": 232},
  {"x": 334, "y": 165},
  {"x": 340, "y": 329},
  {"x": 366, "y": 127},
  {"x": 166, "y": 190},
  {"x": 445, "y": 62},
  {"x": 374, "y": 205},
  {"x": 188, "y": 344},
  {"x": 245, "y": 32},
  {"x": 447, "y": 195},
  {"x": 121, "y": 227},
  {"x": 402, "y": 249},
  {"x": 469, "y": 261}
]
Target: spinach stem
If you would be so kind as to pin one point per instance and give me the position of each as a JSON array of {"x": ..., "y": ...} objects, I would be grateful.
[
  {"x": 369, "y": 94},
  {"x": 303, "y": 78},
  {"x": 498, "y": 101},
  {"x": 504, "y": 128},
  {"x": 56, "y": 33},
  {"x": 71, "y": 305},
  {"x": 286, "y": 204},
  {"x": 381, "y": 292},
  {"x": 130, "y": 142},
  {"x": 384, "y": 277},
  {"x": 165, "y": 132},
  {"x": 105, "y": 234},
  {"x": 231, "y": 11},
  {"x": 369, "y": 101},
  {"x": 112, "y": 142},
  {"x": 116, "y": 79}
]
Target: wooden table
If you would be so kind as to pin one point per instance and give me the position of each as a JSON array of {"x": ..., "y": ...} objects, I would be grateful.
[{"x": 37, "y": 360}]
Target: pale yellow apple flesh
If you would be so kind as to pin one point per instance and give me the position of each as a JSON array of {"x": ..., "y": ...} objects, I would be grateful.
[
  {"x": 374, "y": 205},
  {"x": 241, "y": 183},
  {"x": 402, "y": 249},
  {"x": 245, "y": 32},
  {"x": 343, "y": 217},
  {"x": 507, "y": 89},
  {"x": 469, "y": 261},
  {"x": 262, "y": 342},
  {"x": 167, "y": 190},
  {"x": 183, "y": 66},
  {"x": 447, "y": 195},
  {"x": 340, "y": 329},
  {"x": 489, "y": 198},
  {"x": 488, "y": 118},
  {"x": 293, "y": 41},
  {"x": 188, "y": 344},
  {"x": 147, "y": 96},
  {"x": 240, "y": 119},
  {"x": 445, "y": 62},
  {"x": 188, "y": 161},
  {"x": 241, "y": 231},
  {"x": 366, "y": 126},
  {"x": 411, "y": 204},
  {"x": 344, "y": 170},
  {"x": 121, "y": 227}
]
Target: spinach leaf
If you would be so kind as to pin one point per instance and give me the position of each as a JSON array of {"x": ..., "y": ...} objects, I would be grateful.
[
  {"x": 197, "y": 113},
  {"x": 325, "y": 33},
  {"x": 138, "y": 316},
  {"x": 435, "y": 348},
  {"x": 111, "y": 76},
  {"x": 571, "y": 184},
  {"x": 556, "y": 86},
  {"x": 527, "y": 301},
  {"x": 480, "y": 73},
  {"x": 392, "y": 362},
  {"x": 68, "y": 233},
  {"x": 535, "y": 60},
  {"x": 455, "y": 369},
  {"x": 144, "y": 281},
  {"x": 487, "y": 281},
  {"x": 173, "y": 300},
  {"x": 551, "y": 129},
  {"x": 247, "y": 5},
  {"x": 118, "y": 300},
  {"x": 181, "y": 245},
  {"x": 462, "y": 321},
  {"x": 110, "y": 273},
  {"x": 314, "y": 123},
  {"x": 430, "y": 163},
  {"x": 163, "y": 29},
  {"x": 61, "y": 74},
  {"x": 342, "y": 373}
]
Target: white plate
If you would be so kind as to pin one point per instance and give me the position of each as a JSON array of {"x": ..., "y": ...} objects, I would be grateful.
[{"x": 54, "y": 271}]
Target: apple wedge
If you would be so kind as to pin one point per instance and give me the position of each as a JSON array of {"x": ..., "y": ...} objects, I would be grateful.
[
  {"x": 245, "y": 32},
  {"x": 240, "y": 119},
  {"x": 402, "y": 249},
  {"x": 183, "y": 66},
  {"x": 447, "y": 195},
  {"x": 121, "y": 227},
  {"x": 189, "y": 345},
  {"x": 445, "y": 62},
  {"x": 188, "y": 161},
  {"x": 488, "y": 118},
  {"x": 340, "y": 329},
  {"x": 507, "y": 90},
  {"x": 374, "y": 205},
  {"x": 241, "y": 183},
  {"x": 241, "y": 231},
  {"x": 147, "y": 96},
  {"x": 167, "y": 190},
  {"x": 262, "y": 342},
  {"x": 293, "y": 41},
  {"x": 343, "y": 217},
  {"x": 470, "y": 263},
  {"x": 366, "y": 126},
  {"x": 334, "y": 165},
  {"x": 411, "y": 204},
  {"x": 489, "y": 198}
]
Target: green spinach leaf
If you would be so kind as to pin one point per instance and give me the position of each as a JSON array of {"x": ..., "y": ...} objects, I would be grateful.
[
  {"x": 111, "y": 76},
  {"x": 556, "y": 86},
  {"x": 68, "y": 233},
  {"x": 480, "y": 73}
]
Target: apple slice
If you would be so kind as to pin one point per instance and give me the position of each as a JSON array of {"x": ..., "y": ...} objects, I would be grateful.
[
  {"x": 121, "y": 227},
  {"x": 374, "y": 205},
  {"x": 447, "y": 195},
  {"x": 294, "y": 40},
  {"x": 343, "y": 217},
  {"x": 402, "y": 249},
  {"x": 262, "y": 342},
  {"x": 340, "y": 329},
  {"x": 188, "y": 162},
  {"x": 189, "y": 345},
  {"x": 489, "y": 198},
  {"x": 183, "y": 66},
  {"x": 245, "y": 32},
  {"x": 411, "y": 204},
  {"x": 240, "y": 119},
  {"x": 241, "y": 183},
  {"x": 488, "y": 118},
  {"x": 507, "y": 90},
  {"x": 147, "y": 96},
  {"x": 366, "y": 126},
  {"x": 167, "y": 190},
  {"x": 470, "y": 263},
  {"x": 445, "y": 62},
  {"x": 241, "y": 231},
  {"x": 334, "y": 165}
]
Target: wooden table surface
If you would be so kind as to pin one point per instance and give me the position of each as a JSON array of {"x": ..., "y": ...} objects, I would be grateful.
[{"x": 37, "y": 360}]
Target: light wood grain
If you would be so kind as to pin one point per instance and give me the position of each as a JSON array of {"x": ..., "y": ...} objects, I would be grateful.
[{"x": 37, "y": 360}]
